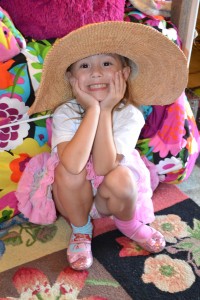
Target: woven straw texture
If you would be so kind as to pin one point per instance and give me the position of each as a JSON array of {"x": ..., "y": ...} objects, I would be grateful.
[{"x": 159, "y": 78}]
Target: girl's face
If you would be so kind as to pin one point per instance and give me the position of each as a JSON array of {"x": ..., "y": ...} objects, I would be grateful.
[{"x": 95, "y": 73}]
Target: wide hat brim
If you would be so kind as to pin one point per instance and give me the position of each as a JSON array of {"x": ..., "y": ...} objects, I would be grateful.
[{"x": 161, "y": 72}]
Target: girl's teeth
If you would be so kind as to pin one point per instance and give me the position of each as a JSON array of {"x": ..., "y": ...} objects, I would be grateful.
[{"x": 97, "y": 85}]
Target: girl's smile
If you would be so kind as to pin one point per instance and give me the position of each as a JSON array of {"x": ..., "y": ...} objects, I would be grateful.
[{"x": 97, "y": 87}]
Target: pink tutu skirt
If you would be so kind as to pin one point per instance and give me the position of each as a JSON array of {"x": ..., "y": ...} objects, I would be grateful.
[{"x": 34, "y": 192}]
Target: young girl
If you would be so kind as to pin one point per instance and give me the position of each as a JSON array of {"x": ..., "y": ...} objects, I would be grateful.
[{"x": 109, "y": 70}]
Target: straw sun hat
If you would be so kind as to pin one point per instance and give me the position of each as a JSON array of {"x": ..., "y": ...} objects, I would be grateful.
[{"x": 159, "y": 68}]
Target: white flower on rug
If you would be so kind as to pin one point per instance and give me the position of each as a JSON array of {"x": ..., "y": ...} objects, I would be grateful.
[{"x": 167, "y": 274}]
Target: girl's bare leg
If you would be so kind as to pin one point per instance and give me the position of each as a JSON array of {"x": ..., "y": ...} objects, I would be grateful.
[
  {"x": 117, "y": 195},
  {"x": 73, "y": 197}
]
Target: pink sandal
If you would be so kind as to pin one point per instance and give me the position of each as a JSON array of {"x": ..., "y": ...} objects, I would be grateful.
[
  {"x": 155, "y": 244},
  {"x": 79, "y": 252}
]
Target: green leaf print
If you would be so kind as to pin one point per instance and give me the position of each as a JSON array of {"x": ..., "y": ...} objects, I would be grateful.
[
  {"x": 38, "y": 76},
  {"x": 12, "y": 238},
  {"x": 195, "y": 232},
  {"x": 37, "y": 65},
  {"x": 19, "y": 73},
  {"x": 196, "y": 256},
  {"x": 143, "y": 146},
  {"x": 39, "y": 50}
]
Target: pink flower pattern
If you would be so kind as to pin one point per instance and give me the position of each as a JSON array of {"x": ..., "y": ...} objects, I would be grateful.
[{"x": 11, "y": 111}]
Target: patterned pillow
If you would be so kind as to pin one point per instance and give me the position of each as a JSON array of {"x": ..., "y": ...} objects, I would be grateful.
[
  {"x": 11, "y": 40},
  {"x": 19, "y": 80},
  {"x": 170, "y": 137},
  {"x": 170, "y": 140}
]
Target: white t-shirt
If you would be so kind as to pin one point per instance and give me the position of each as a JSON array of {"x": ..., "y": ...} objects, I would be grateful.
[{"x": 127, "y": 124}]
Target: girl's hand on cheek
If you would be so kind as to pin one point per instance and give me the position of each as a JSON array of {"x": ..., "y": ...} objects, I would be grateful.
[
  {"x": 116, "y": 92},
  {"x": 84, "y": 99}
]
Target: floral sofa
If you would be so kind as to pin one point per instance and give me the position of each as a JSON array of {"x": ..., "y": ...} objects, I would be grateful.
[{"x": 169, "y": 139}]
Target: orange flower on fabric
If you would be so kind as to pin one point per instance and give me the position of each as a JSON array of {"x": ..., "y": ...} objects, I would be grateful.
[
  {"x": 18, "y": 165},
  {"x": 7, "y": 78}
]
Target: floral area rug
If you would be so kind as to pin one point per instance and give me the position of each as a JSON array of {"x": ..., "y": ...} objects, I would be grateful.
[{"x": 33, "y": 263}]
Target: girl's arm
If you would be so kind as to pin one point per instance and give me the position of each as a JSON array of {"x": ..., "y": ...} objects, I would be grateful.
[
  {"x": 74, "y": 154},
  {"x": 105, "y": 157}
]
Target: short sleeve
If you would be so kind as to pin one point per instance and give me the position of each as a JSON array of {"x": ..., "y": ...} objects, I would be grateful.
[
  {"x": 127, "y": 125},
  {"x": 66, "y": 120}
]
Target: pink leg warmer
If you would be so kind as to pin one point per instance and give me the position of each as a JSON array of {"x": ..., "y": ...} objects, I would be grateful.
[
  {"x": 145, "y": 236},
  {"x": 134, "y": 229}
]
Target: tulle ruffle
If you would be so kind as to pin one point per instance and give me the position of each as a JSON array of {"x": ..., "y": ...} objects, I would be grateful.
[{"x": 34, "y": 191}]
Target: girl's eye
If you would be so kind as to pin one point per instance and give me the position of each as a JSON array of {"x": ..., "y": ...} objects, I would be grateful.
[
  {"x": 107, "y": 63},
  {"x": 84, "y": 66}
]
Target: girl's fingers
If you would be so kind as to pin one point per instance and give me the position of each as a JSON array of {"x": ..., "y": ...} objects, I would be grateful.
[
  {"x": 112, "y": 87},
  {"x": 84, "y": 99},
  {"x": 117, "y": 87},
  {"x": 117, "y": 81},
  {"x": 120, "y": 84},
  {"x": 74, "y": 85}
]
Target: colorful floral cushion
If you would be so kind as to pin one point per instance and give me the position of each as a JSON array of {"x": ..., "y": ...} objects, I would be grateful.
[
  {"x": 11, "y": 40},
  {"x": 170, "y": 137},
  {"x": 19, "y": 80}
]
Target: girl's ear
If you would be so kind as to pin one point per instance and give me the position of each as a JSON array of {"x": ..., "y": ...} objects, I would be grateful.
[
  {"x": 69, "y": 77},
  {"x": 126, "y": 72}
]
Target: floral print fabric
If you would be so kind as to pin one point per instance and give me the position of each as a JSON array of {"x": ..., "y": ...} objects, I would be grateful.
[
  {"x": 170, "y": 137},
  {"x": 11, "y": 40},
  {"x": 19, "y": 80}
]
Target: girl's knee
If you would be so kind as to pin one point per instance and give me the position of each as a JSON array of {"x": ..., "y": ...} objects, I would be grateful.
[
  {"x": 63, "y": 177},
  {"x": 121, "y": 182},
  {"x": 120, "y": 191}
]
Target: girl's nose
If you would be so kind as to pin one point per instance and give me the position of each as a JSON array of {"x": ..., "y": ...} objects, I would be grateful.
[{"x": 96, "y": 71}]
